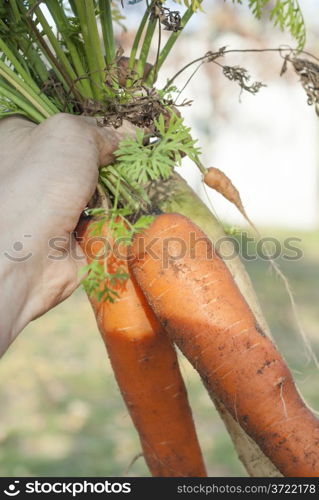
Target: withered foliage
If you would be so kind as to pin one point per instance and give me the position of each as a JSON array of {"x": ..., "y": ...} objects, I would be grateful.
[
  {"x": 242, "y": 77},
  {"x": 141, "y": 110},
  {"x": 170, "y": 19},
  {"x": 236, "y": 74},
  {"x": 139, "y": 104},
  {"x": 308, "y": 72}
]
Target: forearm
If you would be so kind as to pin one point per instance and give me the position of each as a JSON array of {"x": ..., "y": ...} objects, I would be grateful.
[
  {"x": 15, "y": 304},
  {"x": 17, "y": 257}
]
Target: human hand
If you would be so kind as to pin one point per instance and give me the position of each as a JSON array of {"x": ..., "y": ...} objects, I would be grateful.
[{"x": 48, "y": 174}]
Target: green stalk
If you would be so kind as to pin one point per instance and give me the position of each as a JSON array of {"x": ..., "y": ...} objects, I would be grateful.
[
  {"x": 105, "y": 183},
  {"x": 159, "y": 44},
  {"x": 34, "y": 60},
  {"x": 14, "y": 47},
  {"x": 46, "y": 103},
  {"x": 131, "y": 191},
  {"x": 107, "y": 30},
  {"x": 24, "y": 89},
  {"x": 3, "y": 26},
  {"x": 58, "y": 69},
  {"x": 146, "y": 47},
  {"x": 61, "y": 21},
  {"x": 110, "y": 181},
  {"x": 68, "y": 74},
  {"x": 92, "y": 46},
  {"x": 137, "y": 38},
  {"x": 109, "y": 186},
  {"x": 73, "y": 7},
  {"x": 95, "y": 40},
  {"x": 22, "y": 42},
  {"x": 27, "y": 109},
  {"x": 90, "y": 58},
  {"x": 169, "y": 45},
  {"x": 15, "y": 10}
]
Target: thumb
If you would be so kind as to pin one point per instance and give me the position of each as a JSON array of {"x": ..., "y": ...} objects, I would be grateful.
[{"x": 108, "y": 138}]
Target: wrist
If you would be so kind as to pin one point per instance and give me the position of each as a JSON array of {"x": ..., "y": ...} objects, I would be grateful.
[{"x": 16, "y": 309}]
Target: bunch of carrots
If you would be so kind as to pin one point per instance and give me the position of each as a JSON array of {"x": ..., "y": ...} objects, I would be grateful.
[
  {"x": 177, "y": 290},
  {"x": 180, "y": 292}
]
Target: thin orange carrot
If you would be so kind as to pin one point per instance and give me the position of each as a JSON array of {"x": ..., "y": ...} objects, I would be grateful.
[
  {"x": 146, "y": 369},
  {"x": 197, "y": 301},
  {"x": 218, "y": 180}
]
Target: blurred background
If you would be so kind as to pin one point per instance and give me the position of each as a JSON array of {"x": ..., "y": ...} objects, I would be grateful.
[{"x": 61, "y": 411}]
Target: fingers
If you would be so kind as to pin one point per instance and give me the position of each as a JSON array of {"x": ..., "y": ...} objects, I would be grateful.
[
  {"x": 15, "y": 122},
  {"x": 15, "y": 128},
  {"x": 108, "y": 139},
  {"x": 64, "y": 125},
  {"x": 72, "y": 127}
]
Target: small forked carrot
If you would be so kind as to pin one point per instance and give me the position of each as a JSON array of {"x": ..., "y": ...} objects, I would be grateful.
[
  {"x": 218, "y": 180},
  {"x": 198, "y": 303},
  {"x": 146, "y": 368}
]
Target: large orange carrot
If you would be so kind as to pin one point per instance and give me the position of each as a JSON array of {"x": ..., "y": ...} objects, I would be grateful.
[
  {"x": 197, "y": 301},
  {"x": 146, "y": 368}
]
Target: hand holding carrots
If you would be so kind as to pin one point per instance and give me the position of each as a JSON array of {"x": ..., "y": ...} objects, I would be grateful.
[
  {"x": 46, "y": 183},
  {"x": 48, "y": 174}
]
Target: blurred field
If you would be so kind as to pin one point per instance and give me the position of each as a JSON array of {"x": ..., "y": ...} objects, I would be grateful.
[{"x": 61, "y": 411}]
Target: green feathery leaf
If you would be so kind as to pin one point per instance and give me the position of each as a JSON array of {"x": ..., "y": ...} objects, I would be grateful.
[
  {"x": 285, "y": 13},
  {"x": 139, "y": 163}
]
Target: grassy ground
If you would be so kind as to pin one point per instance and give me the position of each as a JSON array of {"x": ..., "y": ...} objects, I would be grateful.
[{"x": 61, "y": 411}]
